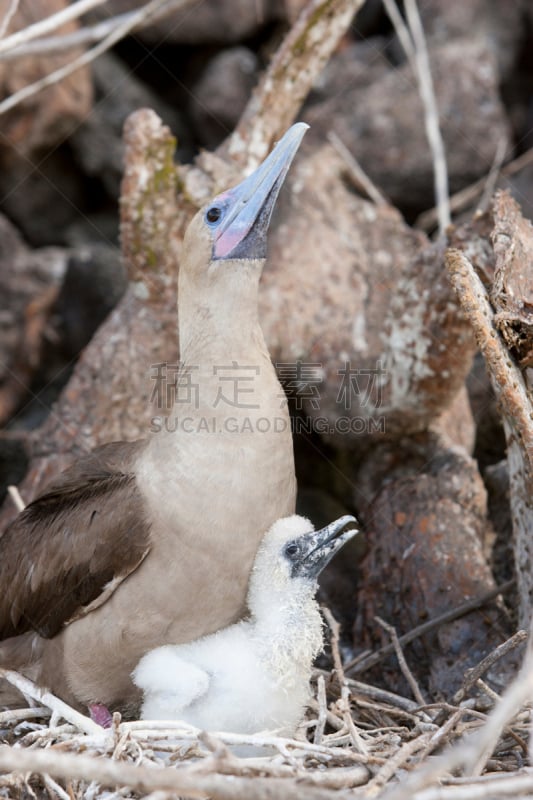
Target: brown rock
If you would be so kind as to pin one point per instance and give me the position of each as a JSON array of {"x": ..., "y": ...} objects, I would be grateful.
[
  {"x": 24, "y": 275},
  {"x": 424, "y": 508},
  {"x": 220, "y": 95},
  {"x": 98, "y": 142},
  {"x": 499, "y": 25},
  {"x": 359, "y": 304},
  {"x": 383, "y": 123},
  {"x": 209, "y": 21}
]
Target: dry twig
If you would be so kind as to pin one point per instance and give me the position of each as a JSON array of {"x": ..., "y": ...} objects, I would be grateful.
[
  {"x": 366, "y": 662},
  {"x": 414, "y": 43},
  {"x": 406, "y": 672},
  {"x": 362, "y": 182},
  {"x": 288, "y": 79},
  {"x": 16, "y": 499},
  {"x": 118, "y": 33},
  {"x": 48, "y": 24},
  {"x": 8, "y": 16},
  {"x": 466, "y": 197}
]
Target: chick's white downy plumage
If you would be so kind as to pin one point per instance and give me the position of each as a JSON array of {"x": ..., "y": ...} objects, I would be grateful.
[{"x": 254, "y": 675}]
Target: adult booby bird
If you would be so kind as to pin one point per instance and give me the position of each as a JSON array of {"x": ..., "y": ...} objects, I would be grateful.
[
  {"x": 254, "y": 675},
  {"x": 149, "y": 542}
]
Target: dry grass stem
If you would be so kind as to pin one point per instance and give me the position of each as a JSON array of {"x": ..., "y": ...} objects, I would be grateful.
[
  {"x": 414, "y": 44},
  {"x": 87, "y": 34},
  {"x": 8, "y": 16},
  {"x": 16, "y": 499},
  {"x": 361, "y": 181},
  {"x": 406, "y": 672},
  {"x": 366, "y": 662},
  {"x": 466, "y": 198},
  {"x": 116, "y": 34},
  {"x": 51, "y": 23}
]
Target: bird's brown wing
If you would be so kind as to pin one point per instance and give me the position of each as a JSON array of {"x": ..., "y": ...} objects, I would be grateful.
[{"x": 73, "y": 544}]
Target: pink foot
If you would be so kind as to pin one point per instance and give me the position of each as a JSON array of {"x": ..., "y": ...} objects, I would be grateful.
[{"x": 101, "y": 715}]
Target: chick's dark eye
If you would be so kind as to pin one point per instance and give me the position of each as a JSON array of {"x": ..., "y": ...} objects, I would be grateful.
[
  {"x": 291, "y": 550},
  {"x": 213, "y": 214}
]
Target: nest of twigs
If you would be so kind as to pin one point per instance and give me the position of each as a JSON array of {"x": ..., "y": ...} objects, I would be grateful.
[{"x": 357, "y": 740}]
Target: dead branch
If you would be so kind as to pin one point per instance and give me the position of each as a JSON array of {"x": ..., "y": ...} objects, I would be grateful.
[
  {"x": 408, "y": 675},
  {"x": 58, "y": 706},
  {"x": 187, "y": 780},
  {"x": 472, "y": 751},
  {"x": 512, "y": 394},
  {"x": 118, "y": 33},
  {"x": 48, "y": 24},
  {"x": 88, "y": 34},
  {"x": 362, "y": 182},
  {"x": 414, "y": 44},
  {"x": 8, "y": 16},
  {"x": 288, "y": 79},
  {"x": 473, "y": 675},
  {"x": 465, "y": 198},
  {"x": 366, "y": 662}
]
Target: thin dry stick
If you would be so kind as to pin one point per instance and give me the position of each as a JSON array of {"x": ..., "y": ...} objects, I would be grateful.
[
  {"x": 289, "y": 78},
  {"x": 467, "y": 196},
  {"x": 406, "y": 672},
  {"x": 68, "y": 713},
  {"x": 431, "y": 114},
  {"x": 16, "y": 499},
  {"x": 86, "y": 58},
  {"x": 186, "y": 780},
  {"x": 494, "y": 174},
  {"x": 343, "y": 704},
  {"x": 86, "y": 35},
  {"x": 472, "y": 675},
  {"x": 48, "y": 24},
  {"x": 358, "y": 176},
  {"x": 335, "y": 651},
  {"x": 8, "y": 16},
  {"x": 473, "y": 750},
  {"x": 322, "y": 717},
  {"x": 414, "y": 44},
  {"x": 402, "y": 31},
  {"x": 392, "y": 765},
  {"x": 358, "y": 665}
]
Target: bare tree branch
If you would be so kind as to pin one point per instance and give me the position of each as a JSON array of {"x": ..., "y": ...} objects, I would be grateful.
[
  {"x": 288, "y": 79},
  {"x": 48, "y": 24},
  {"x": 414, "y": 44},
  {"x": 116, "y": 34},
  {"x": 8, "y": 16}
]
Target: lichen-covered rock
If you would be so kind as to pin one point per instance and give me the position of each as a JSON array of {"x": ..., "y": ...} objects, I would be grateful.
[{"x": 358, "y": 306}]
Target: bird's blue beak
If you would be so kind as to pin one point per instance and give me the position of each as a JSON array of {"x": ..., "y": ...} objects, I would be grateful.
[{"x": 239, "y": 218}]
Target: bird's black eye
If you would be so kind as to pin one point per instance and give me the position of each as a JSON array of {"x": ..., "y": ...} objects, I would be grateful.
[
  {"x": 292, "y": 550},
  {"x": 213, "y": 214}
]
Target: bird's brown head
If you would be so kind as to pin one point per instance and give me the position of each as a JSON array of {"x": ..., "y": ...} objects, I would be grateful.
[{"x": 234, "y": 225}]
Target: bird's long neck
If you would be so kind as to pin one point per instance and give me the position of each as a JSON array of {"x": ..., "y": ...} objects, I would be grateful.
[
  {"x": 289, "y": 628},
  {"x": 219, "y": 322}
]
